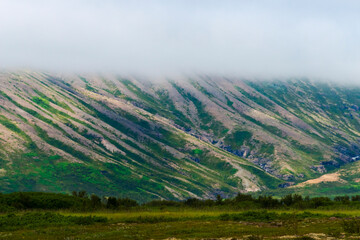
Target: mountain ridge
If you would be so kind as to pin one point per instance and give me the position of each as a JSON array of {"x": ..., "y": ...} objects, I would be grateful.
[{"x": 195, "y": 137}]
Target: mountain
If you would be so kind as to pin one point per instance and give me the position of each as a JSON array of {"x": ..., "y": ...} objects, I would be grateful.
[{"x": 189, "y": 136}]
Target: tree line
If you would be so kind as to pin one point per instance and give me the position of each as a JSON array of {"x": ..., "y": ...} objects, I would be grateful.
[{"x": 82, "y": 201}]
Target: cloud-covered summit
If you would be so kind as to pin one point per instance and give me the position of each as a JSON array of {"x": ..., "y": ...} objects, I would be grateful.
[{"x": 252, "y": 38}]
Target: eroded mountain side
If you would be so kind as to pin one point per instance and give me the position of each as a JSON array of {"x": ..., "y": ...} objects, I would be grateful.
[{"x": 191, "y": 136}]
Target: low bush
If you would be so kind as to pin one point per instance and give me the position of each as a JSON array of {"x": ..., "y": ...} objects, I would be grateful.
[
  {"x": 36, "y": 219},
  {"x": 351, "y": 225},
  {"x": 265, "y": 216}
]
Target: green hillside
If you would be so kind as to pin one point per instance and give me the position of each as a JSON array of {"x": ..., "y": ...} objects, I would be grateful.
[{"x": 177, "y": 138}]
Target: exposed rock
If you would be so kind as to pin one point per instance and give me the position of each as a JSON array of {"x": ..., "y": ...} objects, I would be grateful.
[
  {"x": 287, "y": 184},
  {"x": 288, "y": 177},
  {"x": 319, "y": 168}
]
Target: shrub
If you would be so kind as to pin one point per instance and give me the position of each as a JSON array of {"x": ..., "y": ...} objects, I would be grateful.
[
  {"x": 351, "y": 225},
  {"x": 126, "y": 202},
  {"x": 111, "y": 203},
  {"x": 243, "y": 197},
  {"x": 334, "y": 232},
  {"x": 292, "y": 224},
  {"x": 250, "y": 216},
  {"x": 36, "y": 219},
  {"x": 163, "y": 203}
]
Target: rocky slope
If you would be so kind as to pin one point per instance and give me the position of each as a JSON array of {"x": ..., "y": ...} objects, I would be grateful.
[{"x": 190, "y": 136}]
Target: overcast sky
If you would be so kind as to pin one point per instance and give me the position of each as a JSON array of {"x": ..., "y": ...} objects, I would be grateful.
[{"x": 315, "y": 38}]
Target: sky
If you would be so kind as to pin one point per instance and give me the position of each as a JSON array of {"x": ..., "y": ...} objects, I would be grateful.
[{"x": 269, "y": 38}]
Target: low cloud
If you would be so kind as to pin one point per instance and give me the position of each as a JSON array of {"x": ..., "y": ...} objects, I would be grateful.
[{"x": 318, "y": 39}]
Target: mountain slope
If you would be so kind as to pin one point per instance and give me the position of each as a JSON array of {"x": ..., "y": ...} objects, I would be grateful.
[{"x": 194, "y": 136}]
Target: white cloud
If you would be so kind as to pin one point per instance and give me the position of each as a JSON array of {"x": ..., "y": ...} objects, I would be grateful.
[{"x": 252, "y": 38}]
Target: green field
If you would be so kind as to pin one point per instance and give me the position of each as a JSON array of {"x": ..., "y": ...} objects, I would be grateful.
[
  {"x": 170, "y": 223},
  {"x": 38, "y": 215}
]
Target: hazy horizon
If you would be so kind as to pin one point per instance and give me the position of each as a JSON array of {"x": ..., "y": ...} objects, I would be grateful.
[{"x": 243, "y": 38}]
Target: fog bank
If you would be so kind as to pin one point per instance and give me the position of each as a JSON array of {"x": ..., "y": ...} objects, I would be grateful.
[{"x": 316, "y": 39}]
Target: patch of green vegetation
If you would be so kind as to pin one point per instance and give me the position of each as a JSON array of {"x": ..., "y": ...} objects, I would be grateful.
[
  {"x": 13, "y": 127},
  {"x": 313, "y": 151},
  {"x": 135, "y": 146},
  {"x": 207, "y": 121},
  {"x": 58, "y": 144},
  {"x": 37, "y": 219},
  {"x": 32, "y": 112},
  {"x": 129, "y": 154},
  {"x": 31, "y": 154},
  {"x": 41, "y": 101},
  {"x": 259, "y": 100},
  {"x": 83, "y": 79},
  {"x": 54, "y": 157},
  {"x": 229, "y": 102},
  {"x": 46, "y": 120},
  {"x": 171, "y": 138},
  {"x": 50, "y": 174},
  {"x": 218, "y": 128},
  {"x": 222, "y": 167},
  {"x": 115, "y": 92},
  {"x": 90, "y": 88},
  {"x": 3, "y": 94},
  {"x": 268, "y": 149},
  {"x": 139, "y": 121},
  {"x": 237, "y": 138},
  {"x": 173, "y": 113},
  {"x": 45, "y": 99},
  {"x": 197, "y": 151},
  {"x": 266, "y": 179},
  {"x": 265, "y": 216},
  {"x": 159, "y": 150},
  {"x": 272, "y": 129},
  {"x": 142, "y": 164},
  {"x": 112, "y": 122},
  {"x": 139, "y": 93},
  {"x": 10, "y": 125},
  {"x": 201, "y": 89},
  {"x": 37, "y": 79},
  {"x": 112, "y": 88}
]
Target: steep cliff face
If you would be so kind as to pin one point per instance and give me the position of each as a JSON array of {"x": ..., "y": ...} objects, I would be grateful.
[{"x": 194, "y": 136}]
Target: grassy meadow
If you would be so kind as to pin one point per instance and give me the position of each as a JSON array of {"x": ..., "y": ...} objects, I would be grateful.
[
  {"x": 80, "y": 216},
  {"x": 173, "y": 223}
]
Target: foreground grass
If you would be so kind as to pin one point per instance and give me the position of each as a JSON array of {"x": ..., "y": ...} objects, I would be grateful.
[
  {"x": 185, "y": 224},
  {"x": 164, "y": 230}
]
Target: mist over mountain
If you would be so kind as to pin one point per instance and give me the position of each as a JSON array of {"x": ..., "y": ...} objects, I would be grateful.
[{"x": 314, "y": 39}]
